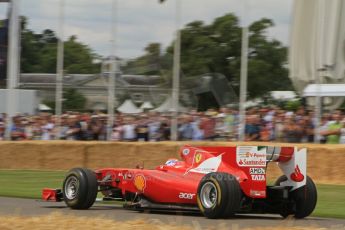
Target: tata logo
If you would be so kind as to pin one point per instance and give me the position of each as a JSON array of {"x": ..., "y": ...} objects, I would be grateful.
[
  {"x": 187, "y": 196},
  {"x": 258, "y": 177}
]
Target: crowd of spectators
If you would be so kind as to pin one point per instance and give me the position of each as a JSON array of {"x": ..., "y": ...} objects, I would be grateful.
[{"x": 262, "y": 124}]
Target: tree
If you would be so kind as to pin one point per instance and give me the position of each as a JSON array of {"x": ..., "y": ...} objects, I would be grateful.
[
  {"x": 267, "y": 60},
  {"x": 149, "y": 63},
  {"x": 216, "y": 48},
  {"x": 73, "y": 100},
  {"x": 38, "y": 53}
]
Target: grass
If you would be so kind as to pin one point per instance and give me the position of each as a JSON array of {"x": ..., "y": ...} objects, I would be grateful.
[
  {"x": 29, "y": 184},
  {"x": 331, "y": 201}
]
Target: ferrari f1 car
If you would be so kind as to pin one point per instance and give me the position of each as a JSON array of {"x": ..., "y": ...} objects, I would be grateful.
[{"x": 218, "y": 181}]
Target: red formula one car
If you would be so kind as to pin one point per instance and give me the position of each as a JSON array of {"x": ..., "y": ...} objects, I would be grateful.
[{"x": 218, "y": 181}]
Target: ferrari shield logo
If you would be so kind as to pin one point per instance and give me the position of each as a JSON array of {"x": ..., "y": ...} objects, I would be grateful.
[{"x": 198, "y": 158}]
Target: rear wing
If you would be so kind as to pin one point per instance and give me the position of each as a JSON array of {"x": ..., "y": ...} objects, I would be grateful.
[
  {"x": 291, "y": 161},
  {"x": 295, "y": 169},
  {"x": 250, "y": 159}
]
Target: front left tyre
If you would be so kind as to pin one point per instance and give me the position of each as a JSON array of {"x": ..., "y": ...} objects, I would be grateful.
[
  {"x": 219, "y": 195},
  {"x": 80, "y": 188}
]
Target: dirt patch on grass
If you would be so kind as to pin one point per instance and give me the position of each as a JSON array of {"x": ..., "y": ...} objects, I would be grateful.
[{"x": 325, "y": 162}]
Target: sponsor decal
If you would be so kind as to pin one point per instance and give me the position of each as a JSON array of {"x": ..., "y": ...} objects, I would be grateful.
[
  {"x": 140, "y": 182},
  {"x": 201, "y": 170},
  {"x": 258, "y": 177},
  {"x": 207, "y": 166},
  {"x": 297, "y": 176},
  {"x": 185, "y": 152},
  {"x": 188, "y": 196},
  {"x": 254, "y": 171},
  {"x": 198, "y": 158},
  {"x": 128, "y": 176},
  {"x": 250, "y": 156},
  {"x": 257, "y": 193}
]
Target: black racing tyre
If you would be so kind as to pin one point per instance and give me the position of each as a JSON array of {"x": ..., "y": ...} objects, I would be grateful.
[
  {"x": 280, "y": 179},
  {"x": 219, "y": 195},
  {"x": 305, "y": 198},
  {"x": 80, "y": 188}
]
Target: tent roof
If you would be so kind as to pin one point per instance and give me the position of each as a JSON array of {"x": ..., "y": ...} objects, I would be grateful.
[
  {"x": 167, "y": 106},
  {"x": 146, "y": 105},
  {"x": 325, "y": 90},
  {"x": 43, "y": 107},
  {"x": 128, "y": 107}
]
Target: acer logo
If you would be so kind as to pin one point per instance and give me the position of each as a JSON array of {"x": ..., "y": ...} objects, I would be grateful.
[{"x": 188, "y": 196}]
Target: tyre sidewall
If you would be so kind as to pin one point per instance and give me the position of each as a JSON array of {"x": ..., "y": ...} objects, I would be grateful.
[
  {"x": 305, "y": 198},
  {"x": 219, "y": 207},
  {"x": 81, "y": 196}
]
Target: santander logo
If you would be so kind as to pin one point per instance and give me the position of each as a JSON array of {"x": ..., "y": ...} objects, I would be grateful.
[{"x": 297, "y": 176}]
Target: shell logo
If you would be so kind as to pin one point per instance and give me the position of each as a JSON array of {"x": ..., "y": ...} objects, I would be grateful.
[{"x": 140, "y": 182}]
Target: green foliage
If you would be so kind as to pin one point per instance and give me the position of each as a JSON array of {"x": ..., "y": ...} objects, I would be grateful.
[
  {"x": 73, "y": 100},
  {"x": 216, "y": 48},
  {"x": 148, "y": 64},
  {"x": 50, "y": 104},
  {"x": 293, "y": 105},
  {"x": 39, "y": 50}
]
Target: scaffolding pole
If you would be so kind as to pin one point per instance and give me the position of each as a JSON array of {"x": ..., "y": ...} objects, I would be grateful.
[
  {"x": 112, "y": 76},
  {"x": 176, "y": 73},
  {"x": 59, "y": 69},
  {"x": 243, "y": 84},
  {"x": 13, "y": 61}
]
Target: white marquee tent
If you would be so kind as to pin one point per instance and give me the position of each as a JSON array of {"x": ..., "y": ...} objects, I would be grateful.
[
  {"x": 146, "y": 105},
  {"x": 317, "y": 42},
  {"x": 167, "y": 106},
  {"x": 129, "y": 107}
]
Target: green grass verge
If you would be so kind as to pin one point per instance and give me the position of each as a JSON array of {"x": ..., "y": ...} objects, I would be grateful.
[
  {"x": 29, "y": 184},
  {"x": 331, "y": 201}
]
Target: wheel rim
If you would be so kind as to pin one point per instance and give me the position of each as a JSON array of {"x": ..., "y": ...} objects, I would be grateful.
[
  {"x": 71, "y": 187},
  {"x": 208, "y": 195}
]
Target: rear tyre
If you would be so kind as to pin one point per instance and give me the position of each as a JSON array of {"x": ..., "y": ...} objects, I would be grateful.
[
  {"x": 305, "y": 198},
  {"x": 219, "y": 195},
  {"x": 80, "y": 188}
]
